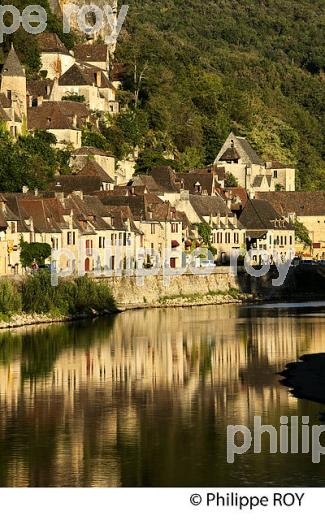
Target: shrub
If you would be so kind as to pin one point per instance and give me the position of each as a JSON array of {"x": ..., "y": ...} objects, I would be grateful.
[
  {"x": 70, "y": 297},
  {"x": 10, "y": 298}
]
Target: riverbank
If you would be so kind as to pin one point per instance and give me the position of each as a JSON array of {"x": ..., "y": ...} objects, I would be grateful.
[{"x": 195, "y": 300}]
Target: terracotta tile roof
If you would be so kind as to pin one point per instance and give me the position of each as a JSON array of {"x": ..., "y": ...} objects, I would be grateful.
[
  {"x": 146, "y": 207},
  {"x": 237, "y": 193},
  {"x": 93, "y": 169},
  {"x": 196, "y": 182},
  {"x": 70, "y": 183},
  {"x": 302, "y": 203},
  {"x": 261, "y": 215},
  {"x": 58, "y": 115},
  {"x": 43, "y": 219},
  {"x": 91, "y": 53},
  {"x": 50, "y": 42}
]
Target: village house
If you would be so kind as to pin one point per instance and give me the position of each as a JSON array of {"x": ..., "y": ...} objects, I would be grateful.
[
  {"x": 252, "y": 173},
  {"x": 9, "y": 240},
  {"x": 308, "y": 208},
  {"x": 96, "y": 54},
  {"x": 64, "y": 119},
  {"x": 55, "y": 57},
  {"x": 226, "y": 232},
  {"x": 91, "y": 84},
  {"x": 161, "y": 225},
  {"x": 38, "y": 91},
  {"x": 13, "y": 94},
  {"x": 267, "y": 230},
  {"x": 103, "y": 158}
]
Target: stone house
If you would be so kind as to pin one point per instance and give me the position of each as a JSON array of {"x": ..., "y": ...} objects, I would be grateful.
[
  {"x": 104, "y": 159},
  {"x": 91, "y": 82},
  {"x": 13, "y": 92},
  {"x": 9, "y": 240},
  {"x": 309, "y": 209},
  {"x": 267, "y": 230},
  {"x": 159, "y": 222},
  {"x": 96, "y": 54},
  {"x": 227, "y": 233},
  {"x": 64, "y": 119},
  {"x": 55, "y": 57},
  {"x": 252, "y": 173}
]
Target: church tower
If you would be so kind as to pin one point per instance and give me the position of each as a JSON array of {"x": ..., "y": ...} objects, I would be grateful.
[{"x": 13, "y": 85}]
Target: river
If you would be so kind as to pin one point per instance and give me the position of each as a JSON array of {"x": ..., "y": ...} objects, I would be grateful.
[{"x": 144, "y": 398}]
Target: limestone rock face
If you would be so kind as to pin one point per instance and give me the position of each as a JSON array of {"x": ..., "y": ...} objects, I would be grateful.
[{"x": 57, "y": 7}]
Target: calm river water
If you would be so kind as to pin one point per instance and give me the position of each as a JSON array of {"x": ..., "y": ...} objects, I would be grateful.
[{"x": 144, "y": 398}]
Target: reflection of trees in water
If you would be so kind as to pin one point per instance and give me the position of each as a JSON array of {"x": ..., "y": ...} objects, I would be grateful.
[{"x": 140, "y": 399}]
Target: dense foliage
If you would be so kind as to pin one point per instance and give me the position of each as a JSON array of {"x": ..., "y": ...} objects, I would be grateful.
[
  {"x": 36, "y": 295},
  {"x": 31, "y": 160},
  {"x": 33, "y": 252},
  {"x": 25, "y": 43},
  {"x": 200, "y": 69}
]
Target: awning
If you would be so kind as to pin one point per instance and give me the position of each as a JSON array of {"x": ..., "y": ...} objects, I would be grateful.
[{"x": 175, "y": 243}]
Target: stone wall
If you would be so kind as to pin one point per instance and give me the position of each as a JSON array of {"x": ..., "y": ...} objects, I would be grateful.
[{"x": 129, "y": 292}]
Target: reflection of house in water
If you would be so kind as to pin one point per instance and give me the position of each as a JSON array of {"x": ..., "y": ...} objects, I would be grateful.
[{"x": 93, "y": 396}]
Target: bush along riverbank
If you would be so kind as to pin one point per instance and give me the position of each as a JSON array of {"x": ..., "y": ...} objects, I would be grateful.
[{"x": 35, "y": 300}]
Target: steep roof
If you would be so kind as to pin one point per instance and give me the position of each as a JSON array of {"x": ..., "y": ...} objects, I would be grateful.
[
  {"x": 250, "y": 152},
  {"x": 196, "y": 181},
  {"x": 91, "y": 53},
  {"x": 165, "y": 178},
  {"x": 302, "y": 203},
  {"x": 50, "y": 42},
  {"x": 40, "y": 87},
  {"x": 12, "y": 65},
  {"x": 84, "y": 74},
  {"x": 70, "y": 183},
  {"x": 57, "y": 115},
  {"x": 93, "y": 169},
  {"x": 261, "y": 215},
  {"x": 230, "y": 154},
  {"x": 206, "y": 206}
]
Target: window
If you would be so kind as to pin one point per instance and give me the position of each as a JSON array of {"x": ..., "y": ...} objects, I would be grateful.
[
  {"x": 236, "y": 238},
  {"x": 174, "y": 227},
  {"x": 9, "y": 96},
  {"x": 153, "y": 228},
  {"x": 291, "y": 240},
  {"x": 13, "y": 227},
  {"x": 101, "y": 242},
  {"x": 89, "y": 247},
  {"x": 275, "y": 174}
]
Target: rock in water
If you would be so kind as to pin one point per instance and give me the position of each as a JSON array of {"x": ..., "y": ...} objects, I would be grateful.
[{"x": 306, "y": 378}]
